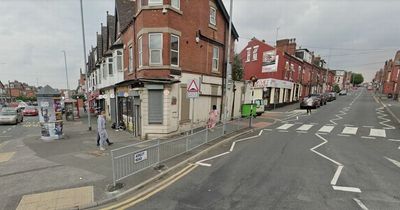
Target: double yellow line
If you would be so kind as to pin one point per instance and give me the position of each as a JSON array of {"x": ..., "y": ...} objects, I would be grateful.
[{"x": 152, "y": 190}]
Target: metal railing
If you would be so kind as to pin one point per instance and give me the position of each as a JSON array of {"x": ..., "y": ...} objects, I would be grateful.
[{"x": 131, "y": 159}]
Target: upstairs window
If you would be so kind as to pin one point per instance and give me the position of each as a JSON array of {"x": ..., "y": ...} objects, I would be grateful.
[
  {"x": 155, "y": 2},
  {"x": 248, "y": 57},
  {"x": 119, "y": 61},
  {"x": 215, "y": 59},
  {"x": 213, "y": 16},
  {"x": 174, "y": 50},
  {"x": 130, "y": 67},
  {"x": 110, "y": 67},
  {"x": 255, "y": 53},
  {"x": 104, "y": 71},
  {"x": 155, "y": 48},
  {"x": 140, "y": 51},
  {"x": 176, "y": 4}
]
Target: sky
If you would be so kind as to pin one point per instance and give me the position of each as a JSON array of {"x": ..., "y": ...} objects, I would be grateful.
[{"x": 353, "y": 35}]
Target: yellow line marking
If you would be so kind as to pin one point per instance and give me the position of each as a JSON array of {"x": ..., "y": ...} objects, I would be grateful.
[
  {"x": 4, "y": 157},
  {"x": 154, "y": 190}
]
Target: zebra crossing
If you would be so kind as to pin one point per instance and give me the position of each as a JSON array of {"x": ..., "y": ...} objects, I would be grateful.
[{"x": 341, "y": 130}]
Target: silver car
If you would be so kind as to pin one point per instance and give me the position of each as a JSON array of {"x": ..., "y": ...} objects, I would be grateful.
[{"x": 10, "y": 115}]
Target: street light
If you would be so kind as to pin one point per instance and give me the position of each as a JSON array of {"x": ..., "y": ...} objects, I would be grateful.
[
  {"x": 86, "y": 69},
  {"x": 253, "y": 79},
  {"x": 228, "y": 67},
  {"x": 66, "y": 68}
]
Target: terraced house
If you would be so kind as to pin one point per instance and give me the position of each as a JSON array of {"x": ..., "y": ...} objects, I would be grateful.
[{"x": 151, "y": 48}]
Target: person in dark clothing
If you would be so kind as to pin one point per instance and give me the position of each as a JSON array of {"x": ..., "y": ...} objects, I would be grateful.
[{"x": 309, "y": 110}]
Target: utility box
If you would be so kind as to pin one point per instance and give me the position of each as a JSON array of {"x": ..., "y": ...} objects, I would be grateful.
[{"x": 246, "y": 110}]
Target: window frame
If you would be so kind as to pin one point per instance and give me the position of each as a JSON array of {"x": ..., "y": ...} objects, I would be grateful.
[
  {"x": 215, "y": 58},
  {"x": 176, "y": 51},
  {"x": 110, "y": 62},
  {"x": 160, "y": 50},
  {"x": 118, "y": 58},
  {"x": 130, "y": 58},
  {"x": 104, "y": 70},
  {"x": 177, "y": 6},
  {"x": 155, "y": 2},
  {"x": 213, "y": 16},
  {"x": 255, "y": 52},
  {"x": 140, "y": 51},
  {"x": 248, "y": 54}
]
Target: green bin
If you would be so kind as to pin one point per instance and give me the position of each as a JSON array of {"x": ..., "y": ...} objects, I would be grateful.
[{"x": 246, "y": 108}]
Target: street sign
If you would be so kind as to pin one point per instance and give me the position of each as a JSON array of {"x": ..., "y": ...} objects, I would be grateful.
[
  {"x": 193, "y": 89},
  {"x": 140, "y": 156}
]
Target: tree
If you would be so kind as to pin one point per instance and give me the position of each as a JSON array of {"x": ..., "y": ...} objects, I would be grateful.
[
  {"x": 237, "y": 68},
  {"x": 336, "y": 88},
  {"x": 357, "y": 79}
]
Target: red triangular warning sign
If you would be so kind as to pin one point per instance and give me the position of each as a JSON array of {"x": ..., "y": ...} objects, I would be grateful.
[{"x": 193, "y": 87}]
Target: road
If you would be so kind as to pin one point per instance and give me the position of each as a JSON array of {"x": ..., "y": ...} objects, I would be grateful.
[
  {"x": 343, "y": 156},
  {"x": 29, "y": 126}
]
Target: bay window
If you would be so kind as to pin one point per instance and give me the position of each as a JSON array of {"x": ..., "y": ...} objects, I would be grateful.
[
  {"x": 174, "y": 50},
  {"x": 155, "y": 48}
]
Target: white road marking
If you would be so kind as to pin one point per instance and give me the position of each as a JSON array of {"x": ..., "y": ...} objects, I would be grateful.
[
  {"x": 362, "y": 206},
  {"x": 322, "y": 134},
  {"x": 210, "y": 158},
  {"x": 393, "y": 140},
  {"x": 301, "y": 131},
  {"x": 337, "y": 174},
  {"x": 348, "y": 125},
  {"x": 368, "y": 137},
  {"x": 368, "y": 126},
  {"x": 347, "y": 189},
  {"x": 326, "y": 129},
  {"x": 343, "y": 135},
  {"x": 203, "y": 164},
  {"x": 304, "y": 127},
  {"x": 4, "y": 131},
  {"x": 397, "y": 163},
  {"x": 285, "y": 126},
  {"x": 267, "y": 129},
  {"x": 350, "y": 130},
  {"x": 378, "y": 133},
  {"x": 283, "y": 131}
]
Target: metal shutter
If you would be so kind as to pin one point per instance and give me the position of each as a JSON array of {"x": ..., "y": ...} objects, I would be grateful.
[{"x": 155, "y": 106}]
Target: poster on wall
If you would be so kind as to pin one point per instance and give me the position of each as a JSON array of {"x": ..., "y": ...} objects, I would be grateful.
[
  {"x": 46, "y": 111},
  {"x": 270, "y": 61}
]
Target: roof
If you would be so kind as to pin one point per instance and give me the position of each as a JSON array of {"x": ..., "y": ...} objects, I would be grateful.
[
  {"x": 104, "y": 38},
  {"x": 99, "y": 47},
  {"x": 124, "y": 13},
  {"x": 47, "y": 91},
  {"x": 226, "y": 16}
]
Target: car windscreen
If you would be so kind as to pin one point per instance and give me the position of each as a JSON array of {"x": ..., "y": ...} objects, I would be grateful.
[{"x": 6, "y": 112}]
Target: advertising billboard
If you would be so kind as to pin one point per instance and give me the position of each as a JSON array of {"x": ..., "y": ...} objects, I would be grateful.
[{"x": 270, "y": 61}]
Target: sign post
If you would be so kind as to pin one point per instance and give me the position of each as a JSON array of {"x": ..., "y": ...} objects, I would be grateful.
[{"x": 192, "y": 92}]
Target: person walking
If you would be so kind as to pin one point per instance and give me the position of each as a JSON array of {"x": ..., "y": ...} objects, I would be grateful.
[
  {"x": 212, "y": 117},
  {"x": 308, "y": 110},
  {"x": 101, "y": 131}
]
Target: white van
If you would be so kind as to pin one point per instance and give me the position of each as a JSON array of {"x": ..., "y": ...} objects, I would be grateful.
[{"x": 260, "y": 106}]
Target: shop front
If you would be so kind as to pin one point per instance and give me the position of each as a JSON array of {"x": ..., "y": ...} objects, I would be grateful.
[{"x": 276, "y": 92}]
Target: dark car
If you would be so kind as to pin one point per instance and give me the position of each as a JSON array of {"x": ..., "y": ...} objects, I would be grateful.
[
  {"x": 312, "y": 101},
  {"x": 333, "y": 95},
  {"x": 321, "y": 97}
]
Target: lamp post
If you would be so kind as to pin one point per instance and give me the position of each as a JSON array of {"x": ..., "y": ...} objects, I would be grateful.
[
  {"x": 228, "y": 67},
  {"x": 66, "y": 69},
  {"x": 86, "y": 69},
  {"x": 253, "y": 79}
]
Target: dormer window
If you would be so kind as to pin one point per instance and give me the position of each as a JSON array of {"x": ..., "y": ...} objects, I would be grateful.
[{"x": 213, "y": 16}]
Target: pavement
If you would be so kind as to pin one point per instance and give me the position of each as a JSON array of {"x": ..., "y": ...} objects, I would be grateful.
[
  {"x": 345, "y": 155},
  {"x": 73, "y": 171}
]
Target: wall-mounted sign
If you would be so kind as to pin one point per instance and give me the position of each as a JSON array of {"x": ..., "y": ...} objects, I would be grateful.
[{"x": 270, "y": 61}]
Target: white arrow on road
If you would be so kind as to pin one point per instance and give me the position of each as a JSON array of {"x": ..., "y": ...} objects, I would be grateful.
[{"x": 397, "y": 163}]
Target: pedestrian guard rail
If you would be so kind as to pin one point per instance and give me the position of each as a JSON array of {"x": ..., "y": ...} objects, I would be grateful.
[{"x": 131, "y": 159}]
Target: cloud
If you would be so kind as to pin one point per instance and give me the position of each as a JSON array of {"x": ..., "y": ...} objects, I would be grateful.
[{"x": 33, "y": 33}]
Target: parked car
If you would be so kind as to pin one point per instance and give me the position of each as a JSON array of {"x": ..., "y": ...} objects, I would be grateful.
[
  {"x": 312, "y": 101},
  {"x": 333, "y": 95},
  {"x": 10, "y": 115},
  {"x": 30, "y": 111},
  {"x": 321, "y": 98},
  {"x": 343, "y": 93}
]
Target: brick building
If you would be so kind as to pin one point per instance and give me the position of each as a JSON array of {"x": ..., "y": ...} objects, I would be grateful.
[{"x": 161, "y": 45}]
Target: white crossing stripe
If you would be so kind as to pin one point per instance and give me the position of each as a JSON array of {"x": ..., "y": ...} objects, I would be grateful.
[
  {"x": 326, "y": 128},
  {"x": 350, "y": 130},
  {"x": 285, "y": 126},
  {"x": 377, "y": 132},
  {"x": 305, "y": 127}
]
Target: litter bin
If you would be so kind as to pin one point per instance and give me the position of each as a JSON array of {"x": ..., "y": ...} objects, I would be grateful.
[{"x": 246, "y": 108}]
